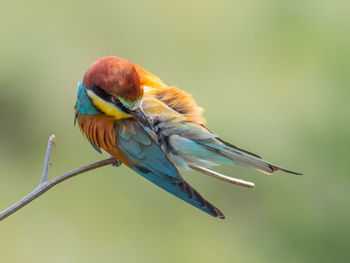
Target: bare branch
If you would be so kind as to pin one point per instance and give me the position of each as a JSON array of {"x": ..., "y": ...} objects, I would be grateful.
[{"x": 45, "y": 186}]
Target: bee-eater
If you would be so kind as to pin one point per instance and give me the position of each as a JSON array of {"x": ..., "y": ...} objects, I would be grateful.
[{"x": 153, "y": 128}]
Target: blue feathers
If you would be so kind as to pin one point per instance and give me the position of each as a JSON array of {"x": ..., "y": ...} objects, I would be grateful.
[
  {"x": 147, "y": 159},
  {"x": 84, "y": 104},
  {"x": 197, "y": 149},
  {"x": 145, "y": 153}
]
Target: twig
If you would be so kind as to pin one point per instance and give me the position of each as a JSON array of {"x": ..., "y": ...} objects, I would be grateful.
[
  {"x": 46, "y": 185},
  {"x": 224, "y": 177},
  {"x": 47, "y": 159}
]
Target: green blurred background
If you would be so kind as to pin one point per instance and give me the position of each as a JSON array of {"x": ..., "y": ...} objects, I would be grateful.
[{"x": 273, "y": 77}]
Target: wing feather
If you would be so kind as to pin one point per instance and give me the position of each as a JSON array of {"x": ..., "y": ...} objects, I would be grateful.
[{"x": 152, "y": 164}]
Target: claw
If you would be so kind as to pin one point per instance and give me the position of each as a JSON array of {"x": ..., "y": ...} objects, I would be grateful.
[{"x": 117, "y": 163}]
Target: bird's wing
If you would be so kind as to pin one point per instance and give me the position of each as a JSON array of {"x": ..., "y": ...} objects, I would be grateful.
[
  {"x": 145, "y": 157},
  {"x": 196, "y": 144},
  {"x": 172, "y": 107}
]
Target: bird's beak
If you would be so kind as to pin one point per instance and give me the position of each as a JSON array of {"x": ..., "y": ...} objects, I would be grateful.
[{"x": 140, "y": 116}]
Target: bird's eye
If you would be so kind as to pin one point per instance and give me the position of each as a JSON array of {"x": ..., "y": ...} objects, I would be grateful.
[
  {"x": 115, "y": 100},
  {"x": 120, "y": 105}
]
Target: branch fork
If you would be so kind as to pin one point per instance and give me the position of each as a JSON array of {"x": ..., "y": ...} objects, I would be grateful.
[{"x": 45, "y": 185}]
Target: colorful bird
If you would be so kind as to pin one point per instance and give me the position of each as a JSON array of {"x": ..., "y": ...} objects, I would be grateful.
[{"x": 153, "y": 128}]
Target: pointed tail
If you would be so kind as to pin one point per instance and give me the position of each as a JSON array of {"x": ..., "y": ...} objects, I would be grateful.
[{"x": 242, "y": 157}]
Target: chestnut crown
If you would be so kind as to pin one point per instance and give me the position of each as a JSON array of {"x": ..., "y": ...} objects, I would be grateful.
[{"x": 115, "y": 76}]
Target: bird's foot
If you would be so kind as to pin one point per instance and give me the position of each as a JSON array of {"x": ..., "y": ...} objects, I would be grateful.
[{"x": 117, "y": 163}]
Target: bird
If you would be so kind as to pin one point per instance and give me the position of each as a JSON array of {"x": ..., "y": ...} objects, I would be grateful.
[{"x": 154, "y": 129}]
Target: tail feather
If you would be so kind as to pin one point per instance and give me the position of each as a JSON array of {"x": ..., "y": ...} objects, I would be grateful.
[
  {"x": 242, "y": 157},
  {"x": 222, "y": 177}
]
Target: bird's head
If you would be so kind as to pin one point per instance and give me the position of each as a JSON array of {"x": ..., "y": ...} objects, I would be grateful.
[{"x": 113, "y": 85}]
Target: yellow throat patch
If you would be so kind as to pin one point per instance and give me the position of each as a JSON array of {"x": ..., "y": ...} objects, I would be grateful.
[{"x": 106, "y": 107}]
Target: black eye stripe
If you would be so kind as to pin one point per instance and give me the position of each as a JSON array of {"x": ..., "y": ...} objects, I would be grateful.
[
  {"x": 100, "y": 92},
  {"x": 107, "y": 97}
]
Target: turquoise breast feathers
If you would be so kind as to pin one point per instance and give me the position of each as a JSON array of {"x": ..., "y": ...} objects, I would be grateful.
[{"x": 84, "y": 104}]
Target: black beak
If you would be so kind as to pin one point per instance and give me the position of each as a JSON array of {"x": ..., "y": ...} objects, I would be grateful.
[{"x": 140, "y": 116}]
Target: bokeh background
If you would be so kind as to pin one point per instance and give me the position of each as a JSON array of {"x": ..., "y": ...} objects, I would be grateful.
[{"x": 273, "y": 77}]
